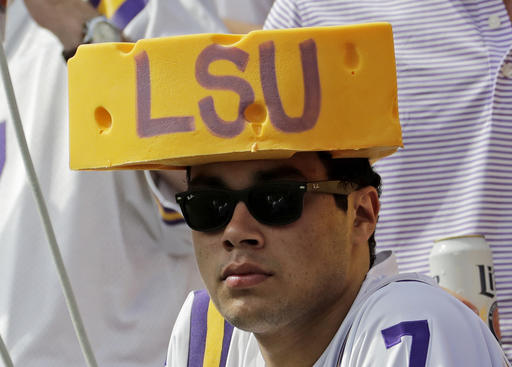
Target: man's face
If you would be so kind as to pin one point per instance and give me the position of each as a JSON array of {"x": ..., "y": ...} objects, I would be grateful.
[{"x": 264, "y": 277}]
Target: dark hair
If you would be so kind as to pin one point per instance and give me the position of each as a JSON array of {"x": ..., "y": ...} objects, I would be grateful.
[{"x": 355, "y": 170}]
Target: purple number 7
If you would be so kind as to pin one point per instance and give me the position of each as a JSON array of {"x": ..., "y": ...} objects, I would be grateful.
[{"x": 420, "y": 334}]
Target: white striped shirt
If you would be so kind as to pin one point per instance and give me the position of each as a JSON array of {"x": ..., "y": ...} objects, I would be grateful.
[{"x": 454, "y": 177}]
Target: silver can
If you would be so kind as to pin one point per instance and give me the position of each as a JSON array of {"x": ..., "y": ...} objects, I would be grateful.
[{"x": 464, "y": 266}]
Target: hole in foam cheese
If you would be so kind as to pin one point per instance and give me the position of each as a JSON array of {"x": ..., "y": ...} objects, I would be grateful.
[
  {"x": 351, "y": 57},
  {"x": 202, "y": 98},
  {"x": 103, "y": 119},
  {"x": 256, "y": 115},
  {"x": 125, "y": 48}
]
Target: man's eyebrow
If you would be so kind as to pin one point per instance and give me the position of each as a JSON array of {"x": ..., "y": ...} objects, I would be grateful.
[
  {"x": 283, "y": 172},
  {"x": 206, "y": 181}
]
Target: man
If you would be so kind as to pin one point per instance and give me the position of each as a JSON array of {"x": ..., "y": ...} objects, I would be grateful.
[
  {"x": 282, "y": 199},
  {"x": 123, "y": 260},
  {"x": 302, "y": 289},
  {"x": 454, "y": 68}
]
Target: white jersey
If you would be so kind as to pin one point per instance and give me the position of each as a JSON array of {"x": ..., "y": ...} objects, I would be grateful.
[
  {"x": 130, "y": 270},
  {"x": 249, "y": 11},
  {"x": 396, "y": 320}
]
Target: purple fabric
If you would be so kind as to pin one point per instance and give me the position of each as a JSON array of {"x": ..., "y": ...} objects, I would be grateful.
[
  {"x": 2, "y": 146},
  {"x": 226, "y": 341},
  {"x": 173, "y": 221},
  {"x": 198, "y": 327},
  {"x": 95, "y": 3},
  {"x": 127, "y": 11}
]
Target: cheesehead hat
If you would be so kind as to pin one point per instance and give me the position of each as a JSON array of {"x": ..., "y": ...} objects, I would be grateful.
[{"x": 186, "y": 100}]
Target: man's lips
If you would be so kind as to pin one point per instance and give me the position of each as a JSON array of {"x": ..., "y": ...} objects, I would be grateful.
[{"x": 244, "y": 275}]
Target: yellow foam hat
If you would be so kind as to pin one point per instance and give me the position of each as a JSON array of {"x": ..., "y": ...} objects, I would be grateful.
[{"x": 186, "y": 100}]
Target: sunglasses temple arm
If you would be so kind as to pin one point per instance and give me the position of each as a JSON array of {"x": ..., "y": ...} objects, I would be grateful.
[{"x": 331, "y": 187}]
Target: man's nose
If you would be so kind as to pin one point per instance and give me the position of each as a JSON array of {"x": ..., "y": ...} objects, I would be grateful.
[{"x": 242, "y": 230}]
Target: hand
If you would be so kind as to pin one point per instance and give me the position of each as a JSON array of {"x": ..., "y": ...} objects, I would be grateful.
[{"x": 64, "y": 18}]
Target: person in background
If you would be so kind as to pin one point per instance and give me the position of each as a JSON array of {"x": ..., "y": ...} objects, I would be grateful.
[
  {"x": 454, "y": 68},
  {"x": 243, "y": 16},
  {"x": 128, "y": 252}
]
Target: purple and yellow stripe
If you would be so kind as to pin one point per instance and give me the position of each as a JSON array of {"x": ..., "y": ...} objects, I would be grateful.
[
  {"x": 120, "y": 12},
  {"x": 210, "y": 334},
  {"x": 169, "y": 216}
]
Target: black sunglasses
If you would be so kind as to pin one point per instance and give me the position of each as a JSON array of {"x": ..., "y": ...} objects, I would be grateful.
[{"x": 273, "y": 203}]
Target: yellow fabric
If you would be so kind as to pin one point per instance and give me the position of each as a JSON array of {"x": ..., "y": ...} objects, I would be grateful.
[
  {"x": 109, "y": 7},
  {"x": 214, "y": 337},
  {"x": 168, "y": 216}
]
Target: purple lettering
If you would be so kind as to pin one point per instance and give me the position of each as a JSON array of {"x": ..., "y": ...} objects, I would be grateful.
[
  {"x": 312, "y": 94},
  {"x": 146, "y": 126},
  {"x": 218, "y": 126},
  {"x": 487, "y": 289}
]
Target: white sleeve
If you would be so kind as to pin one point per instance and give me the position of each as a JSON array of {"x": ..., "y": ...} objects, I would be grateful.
[
  {"x": 419, "y": 325},
  {"x": 161, "y": 18},
  {"x": 177, "y": 353},
  {"x": 250, "y": 11}
]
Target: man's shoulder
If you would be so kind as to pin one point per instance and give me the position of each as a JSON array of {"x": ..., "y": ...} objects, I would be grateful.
[
  {"x": 411, "y": 318},
  {"x": 402, "y": 289},
  {"x": 413, "y": 297}
]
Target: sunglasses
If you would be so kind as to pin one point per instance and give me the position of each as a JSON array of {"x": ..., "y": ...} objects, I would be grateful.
[{"x": 274, "y": 203}]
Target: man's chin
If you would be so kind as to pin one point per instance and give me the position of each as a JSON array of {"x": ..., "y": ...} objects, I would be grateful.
[
  {"x": 250, "y": 323},
  {"x": 250, "y": 316}
]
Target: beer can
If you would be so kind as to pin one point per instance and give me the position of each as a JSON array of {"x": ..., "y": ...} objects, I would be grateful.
[{"x": 464, "y": 266}]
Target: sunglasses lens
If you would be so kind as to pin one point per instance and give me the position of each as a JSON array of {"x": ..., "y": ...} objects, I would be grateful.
[
  {"x": 207, "y": 210},
  {"x": 276, "y": 204}
]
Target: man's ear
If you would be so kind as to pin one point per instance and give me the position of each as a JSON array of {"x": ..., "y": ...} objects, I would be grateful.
[{"x": 366, "y": 205}]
